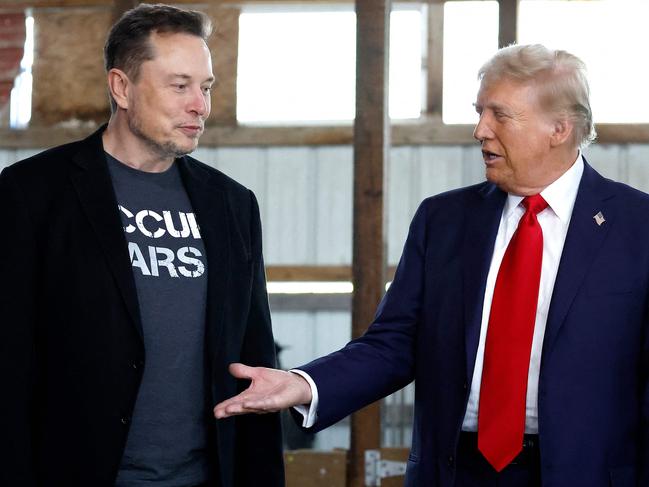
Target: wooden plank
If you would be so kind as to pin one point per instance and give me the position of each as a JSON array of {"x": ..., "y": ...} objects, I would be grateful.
[
  {"x": 422, "y": 133},
  {"x": 309, "y": 468},
  {"x": 435, "y": 60},
  {"x": 371, "y": 148},
  {"x": 342, "y": 273},
  {"x": 394, "y": 454},
  {"x": 308, "y": 273},
  {"x": 224, "y": 45},
  {"x": 507, "y": 22}
]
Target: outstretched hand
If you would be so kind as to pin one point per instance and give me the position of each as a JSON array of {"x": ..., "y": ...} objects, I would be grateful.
[{"x": 269, "y": 391}]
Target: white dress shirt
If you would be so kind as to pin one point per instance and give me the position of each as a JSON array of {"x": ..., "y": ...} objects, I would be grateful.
[{"x": 554, "y": 221}]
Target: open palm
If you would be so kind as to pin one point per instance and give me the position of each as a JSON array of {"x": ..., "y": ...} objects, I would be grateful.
[{"x": 270, "y": 390}]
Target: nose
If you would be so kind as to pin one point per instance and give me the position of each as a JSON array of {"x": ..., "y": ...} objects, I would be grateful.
[
  {"x": 482, "y": 130},
  {"x": 200, "y": 103}
]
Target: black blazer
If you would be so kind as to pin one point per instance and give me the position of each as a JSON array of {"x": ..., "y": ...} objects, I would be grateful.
[{"x": 71, "y": 349}]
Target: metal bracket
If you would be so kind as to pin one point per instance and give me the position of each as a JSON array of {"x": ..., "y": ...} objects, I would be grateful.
[{"x": 377, "y": 469}]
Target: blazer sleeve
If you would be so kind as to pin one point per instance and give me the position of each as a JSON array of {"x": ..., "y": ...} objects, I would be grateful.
[
  {"x": 382, "y": 361},
  {"x": 18, "y": 291},
  {"x": 259, "y": 458}
]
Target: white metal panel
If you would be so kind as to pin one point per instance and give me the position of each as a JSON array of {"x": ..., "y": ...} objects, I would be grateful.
[
  {"x": 609, "y": 160},
  {"x": 249, "y": 166},
  {"x": 306, "y": 336},
  {"x": 309, "y": 335},
  {"x": 333, "y": 205},
  {"x": 441, "y": 170},
  {"x": 638, "y": 160},
  {"x": 402, "y": 174},
  {"x": 305, "y": 193},
  {"x": 473, "y": 165},
  {"x": 291, "y": 203},
  {"x": 7, "y": 157}
]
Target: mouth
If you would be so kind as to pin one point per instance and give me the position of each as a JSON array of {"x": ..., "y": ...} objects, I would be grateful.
[
  {"x": 191, "y": 130},
  {"x": 489, "y": 157}
]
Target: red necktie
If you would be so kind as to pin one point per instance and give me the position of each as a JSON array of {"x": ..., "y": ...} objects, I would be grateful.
[{"x": 501, "y": 413}]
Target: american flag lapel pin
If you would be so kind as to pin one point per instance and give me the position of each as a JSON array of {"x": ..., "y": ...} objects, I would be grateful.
[{"x": 599, "y": 218}]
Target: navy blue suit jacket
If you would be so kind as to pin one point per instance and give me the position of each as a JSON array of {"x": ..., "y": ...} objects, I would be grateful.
[{"x": 593, "y": 386}]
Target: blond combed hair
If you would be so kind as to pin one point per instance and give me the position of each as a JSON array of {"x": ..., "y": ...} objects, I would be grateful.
[{"x": 560, "y": 77}]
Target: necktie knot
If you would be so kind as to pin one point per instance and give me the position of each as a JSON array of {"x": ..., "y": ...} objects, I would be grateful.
[{"x": 535, "y": 203}]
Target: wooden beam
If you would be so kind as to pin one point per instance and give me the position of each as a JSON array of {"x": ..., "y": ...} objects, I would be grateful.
[
  {"x": 371, "y": 149},
  {"x": 435, "y": 60},
  {"x": 340, "y": 273},
  {"x": 224, "y": 45},
  {"x": 309, "y": 273},
  {"x": 425, "y": 132},
  {"x": 85, "y": 3},
  {"x": 507, "y": 22}
]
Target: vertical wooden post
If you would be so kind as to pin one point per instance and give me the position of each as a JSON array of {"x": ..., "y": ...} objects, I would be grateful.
[
  {"x": 507, "y": 22},
  {"x": 435, "y": 60},
  {"x": 371, "y": 146}
]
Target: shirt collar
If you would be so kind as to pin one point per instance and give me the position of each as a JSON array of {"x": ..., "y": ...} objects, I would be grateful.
[{"x": 560, "y": 195}]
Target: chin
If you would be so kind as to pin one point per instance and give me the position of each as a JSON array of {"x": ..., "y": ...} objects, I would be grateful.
[{"x": 492, "y": 175}]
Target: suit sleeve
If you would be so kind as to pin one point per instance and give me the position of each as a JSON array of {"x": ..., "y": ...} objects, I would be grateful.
[
  {"x": 382, "y": 360},
  {"x": 259, "y": 459},
  {"x": 18, "y": 306},
  {"x": 643, "y": 460}
]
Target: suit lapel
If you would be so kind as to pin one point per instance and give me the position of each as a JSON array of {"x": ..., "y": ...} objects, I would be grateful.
[
  {"x": 95, "y": 191},
  {"x": 482, "y": 226},
  {"x": 210, "y": 207},
  {"x": 583, "y": 241}
]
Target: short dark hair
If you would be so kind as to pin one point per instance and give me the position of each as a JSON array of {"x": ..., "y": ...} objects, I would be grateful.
[{"x": 128, "y": 46}]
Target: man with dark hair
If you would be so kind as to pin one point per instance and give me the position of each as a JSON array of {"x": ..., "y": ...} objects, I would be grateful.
[{"x": 132, "y": 275}]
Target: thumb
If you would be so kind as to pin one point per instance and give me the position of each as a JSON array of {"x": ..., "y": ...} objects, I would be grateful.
[{"x": 241, "y": 371}]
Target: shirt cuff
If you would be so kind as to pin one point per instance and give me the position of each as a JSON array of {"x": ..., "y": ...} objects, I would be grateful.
[{"x": 308, "y": 411}]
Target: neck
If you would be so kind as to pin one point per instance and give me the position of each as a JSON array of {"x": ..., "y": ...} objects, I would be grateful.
[
  {"x": 557, "y": 167},
  {"x": 121, "y": 143}
]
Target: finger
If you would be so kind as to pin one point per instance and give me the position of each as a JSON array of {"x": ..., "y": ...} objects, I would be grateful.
[
  {"x": 235, "y": 408},
  {"x": 241, "y": 371},
  {"x": 229, "y": 404}
]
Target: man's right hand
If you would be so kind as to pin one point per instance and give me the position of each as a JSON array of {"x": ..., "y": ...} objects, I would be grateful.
[{"x": 269, "y": 391}]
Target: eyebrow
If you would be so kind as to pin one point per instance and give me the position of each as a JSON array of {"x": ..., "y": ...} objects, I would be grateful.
[
  {"x": 187, "y": 77},
  {"x": 492, "y": 106}
]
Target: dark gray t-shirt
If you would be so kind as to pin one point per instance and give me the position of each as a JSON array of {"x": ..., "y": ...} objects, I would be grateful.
[{"x": 167, "y": 440}]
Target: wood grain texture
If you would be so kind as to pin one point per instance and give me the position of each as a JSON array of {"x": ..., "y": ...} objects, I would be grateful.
[
  {"x": 507, "y": 22},
  {"x": 224, "y": 45},
  {"x": 371, "y": 148}
]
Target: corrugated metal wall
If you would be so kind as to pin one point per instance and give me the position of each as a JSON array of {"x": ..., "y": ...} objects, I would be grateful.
[{"x": 305, "y": 193}]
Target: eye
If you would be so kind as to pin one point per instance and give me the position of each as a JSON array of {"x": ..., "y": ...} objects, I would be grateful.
[
  {"x": 207, "y": 89},
  {"x": 180, "y": 86}
]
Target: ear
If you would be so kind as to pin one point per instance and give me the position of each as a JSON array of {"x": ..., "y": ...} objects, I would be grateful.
[
  {"x": 118, "y": 85},
  {"x": 561, "y": 131}
]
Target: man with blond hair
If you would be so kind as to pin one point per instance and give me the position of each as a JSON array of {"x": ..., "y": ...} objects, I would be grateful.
[{"x": 520, "y": 307}]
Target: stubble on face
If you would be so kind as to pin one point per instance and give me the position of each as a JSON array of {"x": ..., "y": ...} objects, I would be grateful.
[{"x": 163, "y": 149}]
